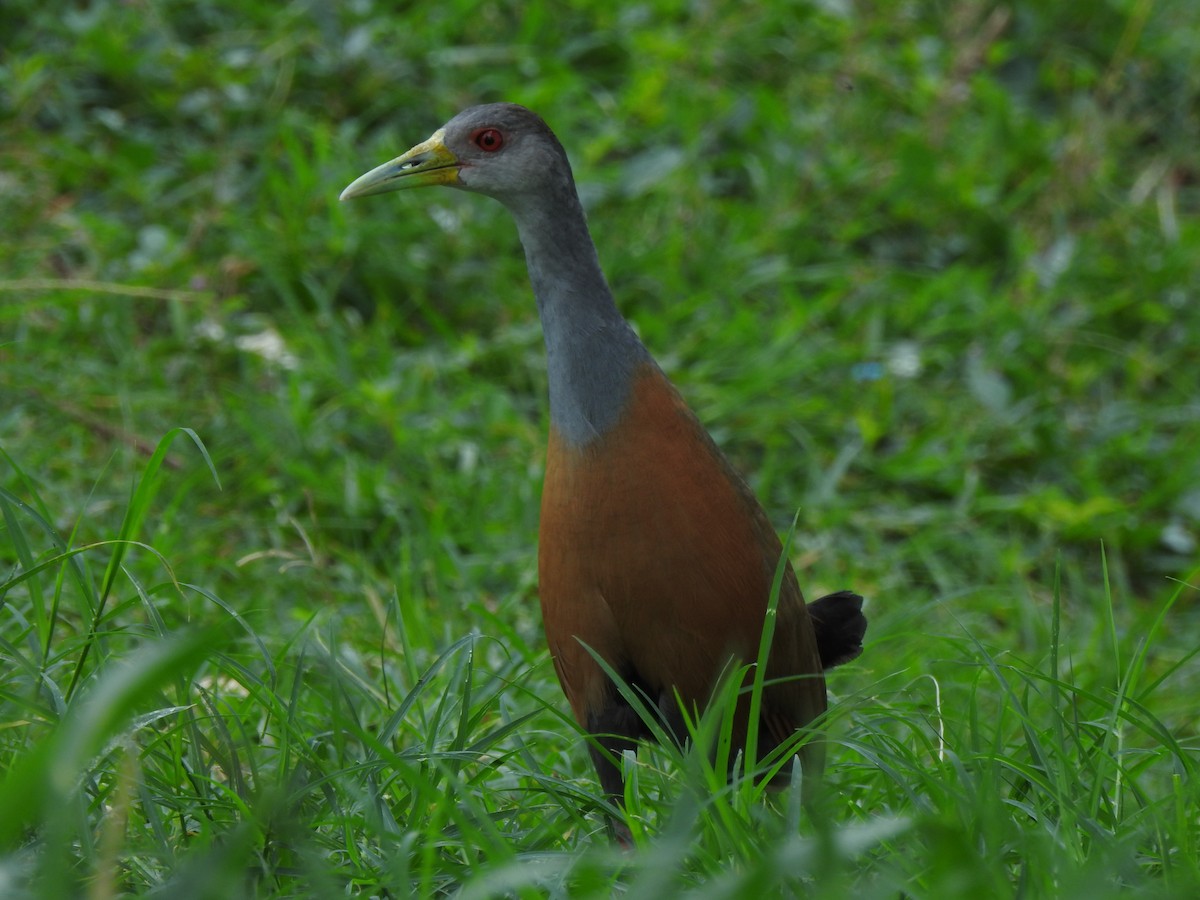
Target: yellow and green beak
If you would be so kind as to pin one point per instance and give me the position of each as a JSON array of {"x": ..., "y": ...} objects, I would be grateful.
[{"x": 430, "y": 162}]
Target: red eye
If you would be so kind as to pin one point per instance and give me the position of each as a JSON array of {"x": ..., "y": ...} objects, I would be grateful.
[{"x": 488, "y": 139}]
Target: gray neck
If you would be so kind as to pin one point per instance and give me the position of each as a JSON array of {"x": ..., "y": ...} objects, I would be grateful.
[{"x": 591, "y": 351}]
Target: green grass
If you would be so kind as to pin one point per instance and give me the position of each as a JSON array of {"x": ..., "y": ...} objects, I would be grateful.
[{"x": 929, "y": 273}]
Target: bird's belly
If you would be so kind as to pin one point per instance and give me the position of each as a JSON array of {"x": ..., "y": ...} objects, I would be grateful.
[{"x": 650, "y": 553}]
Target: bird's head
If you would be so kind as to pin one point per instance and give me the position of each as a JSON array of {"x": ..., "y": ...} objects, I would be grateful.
[{"x": 501, "y": 150}]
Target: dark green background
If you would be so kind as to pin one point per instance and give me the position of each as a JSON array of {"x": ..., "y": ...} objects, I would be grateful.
[{"x": 928, "y": 271}]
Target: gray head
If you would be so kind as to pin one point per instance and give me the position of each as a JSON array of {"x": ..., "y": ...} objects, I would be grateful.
[
  {"x": 506, "y": 152},
  {"x": 500, "y": 149}
]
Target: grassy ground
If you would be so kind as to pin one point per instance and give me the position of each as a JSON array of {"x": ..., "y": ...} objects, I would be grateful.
[{"x": 929, "y": 272}]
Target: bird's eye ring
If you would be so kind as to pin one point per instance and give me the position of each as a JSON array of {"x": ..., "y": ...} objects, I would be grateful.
[{"x": 488, "y": 139}]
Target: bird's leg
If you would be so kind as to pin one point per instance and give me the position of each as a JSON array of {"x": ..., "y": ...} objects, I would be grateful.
[{"x": 616, "y": 727}]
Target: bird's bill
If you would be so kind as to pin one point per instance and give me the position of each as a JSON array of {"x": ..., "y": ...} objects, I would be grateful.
[{"x": 430, "y": 162}]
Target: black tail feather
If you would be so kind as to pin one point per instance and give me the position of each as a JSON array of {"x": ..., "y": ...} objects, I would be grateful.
[{"x": 839, "y": 625}]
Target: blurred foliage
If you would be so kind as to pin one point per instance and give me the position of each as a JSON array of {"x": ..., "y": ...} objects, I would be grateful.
[{"x": 929, "y": 272}]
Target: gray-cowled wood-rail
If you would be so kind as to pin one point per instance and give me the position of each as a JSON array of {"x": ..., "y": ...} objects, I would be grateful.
[{"x": 653, "y": 552}]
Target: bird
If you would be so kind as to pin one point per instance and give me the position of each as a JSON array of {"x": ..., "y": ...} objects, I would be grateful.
[{"x": 653, "y": 553}]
